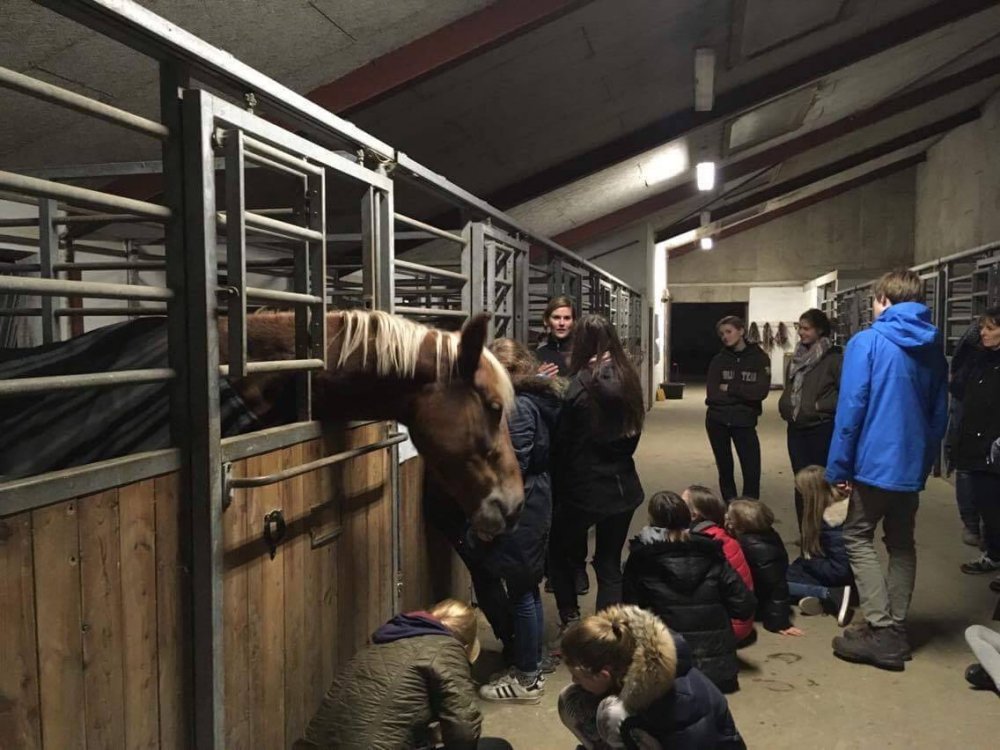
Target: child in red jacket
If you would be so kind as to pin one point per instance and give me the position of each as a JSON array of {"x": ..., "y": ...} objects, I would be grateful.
[{"x": 709, "y": 515}]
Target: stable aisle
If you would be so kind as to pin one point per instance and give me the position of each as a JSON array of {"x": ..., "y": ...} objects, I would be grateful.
[{"x": 794, "y": 692}]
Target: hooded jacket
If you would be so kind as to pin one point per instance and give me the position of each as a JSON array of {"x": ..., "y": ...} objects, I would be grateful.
[
  {"x": 556, "y": 352},
  {"x": 592, "y": 467},
  {"x": 664, "y": 696},
  {"x": 415, "y": 672},
  {"x": 737, "y": 561},
  {"x": 765, "y": 553},
  {"x": 892, "y": 411},
  {"x": 833, "y": 567},
  {"x": 979, "y": 424},
  {"x": 747, "y": 377},
  {"x": 690, "y": 586},
  {"x": 820, "y": 390}
]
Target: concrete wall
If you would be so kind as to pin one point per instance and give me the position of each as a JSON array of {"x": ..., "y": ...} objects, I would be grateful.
[
  {"x": 958, "y": 189},
  {"x": 866, "y": 230},
  {"x": 779, "y": 304}
]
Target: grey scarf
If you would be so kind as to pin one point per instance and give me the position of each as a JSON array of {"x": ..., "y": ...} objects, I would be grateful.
[{"x": 804, "y": 360}]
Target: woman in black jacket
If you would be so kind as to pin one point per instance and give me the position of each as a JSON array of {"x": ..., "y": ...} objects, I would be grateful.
[
  {"x": 977, "y": 442},
  {"x": 685, "y": 580},
  {"x": 594, "y": 478},
  {"x": 739, "y": 378},
  {"x": 809, "y": 400}
]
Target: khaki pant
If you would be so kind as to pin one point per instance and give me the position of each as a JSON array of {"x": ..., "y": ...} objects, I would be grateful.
[{"x": 885, "y": 599}]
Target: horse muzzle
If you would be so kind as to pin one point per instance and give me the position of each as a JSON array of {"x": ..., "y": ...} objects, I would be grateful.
[{"x": 497, "y": 514}]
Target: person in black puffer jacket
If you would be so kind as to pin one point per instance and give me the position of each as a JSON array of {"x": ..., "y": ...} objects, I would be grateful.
[
  {"x": 635, "y": 686},
  {"x": 739, "y": 379},
  {"x": 751, "y": 522},
  {"x": 685, "y": 580}
]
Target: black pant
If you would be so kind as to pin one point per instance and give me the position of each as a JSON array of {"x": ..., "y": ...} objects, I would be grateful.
[
  {"x": 568, "y": 524},
  {"x": 747, "y": 448},
  {"x": 984, "y": 487},
  {"x": 808, "y": 446}
]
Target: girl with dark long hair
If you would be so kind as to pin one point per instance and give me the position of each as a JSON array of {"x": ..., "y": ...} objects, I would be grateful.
[{"x": 594, "y": 477}]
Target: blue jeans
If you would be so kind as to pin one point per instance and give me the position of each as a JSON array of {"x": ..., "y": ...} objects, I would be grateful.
[
  {"x": 965, "y": 497},
  {"x": 529, "y": 628},
  {"x": 798, "y": 591}
]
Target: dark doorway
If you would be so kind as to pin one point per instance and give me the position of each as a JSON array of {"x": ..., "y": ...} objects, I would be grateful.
[{"x": 693, "y": 342}]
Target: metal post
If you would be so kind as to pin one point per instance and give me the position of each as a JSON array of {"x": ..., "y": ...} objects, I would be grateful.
[
  {"x": 236, "y": 259},
  {"x": 377, "y": 249},
  {"x": 48, "y": 252},
  {"x": 489, "y": 251},
  {"x": 521, "y": 296},
  {"x": 475, "y": 238}
]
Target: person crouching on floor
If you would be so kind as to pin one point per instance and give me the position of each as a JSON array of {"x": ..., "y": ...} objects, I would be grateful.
[
  {"x": 684, "y": 579},
  {"x": 635, "y": 686},
  {"x": 416, "y": 672}
]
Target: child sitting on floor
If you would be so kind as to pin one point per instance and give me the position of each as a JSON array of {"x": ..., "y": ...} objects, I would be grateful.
[
  {"x": 751, "y": 522},
  {"x": 708, "y": 513},
  {"x": 684, "y": 579},
  {"x": 634, "y": 686},
  {"x": 821, "y": 579}
]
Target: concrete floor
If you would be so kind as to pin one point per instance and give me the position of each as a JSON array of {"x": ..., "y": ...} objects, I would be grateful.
[{"x": 795, "y": 693}]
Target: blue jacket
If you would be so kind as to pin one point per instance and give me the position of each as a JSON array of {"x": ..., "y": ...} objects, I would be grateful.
[{"x": 892, "y": 411}]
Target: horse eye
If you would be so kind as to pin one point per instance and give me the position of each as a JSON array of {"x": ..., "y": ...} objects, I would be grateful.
[{"x": 495, "y": 406}]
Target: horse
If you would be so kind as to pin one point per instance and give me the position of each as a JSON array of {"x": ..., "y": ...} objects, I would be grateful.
[{"x": 446, "y": 387}]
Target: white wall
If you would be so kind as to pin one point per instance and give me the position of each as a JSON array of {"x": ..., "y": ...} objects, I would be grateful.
[{"x": 779, "y": 304}]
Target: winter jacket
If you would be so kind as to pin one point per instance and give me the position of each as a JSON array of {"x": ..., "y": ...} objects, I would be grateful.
[
  {"x": 519, "y": 556},
  {"x": 820, "y": 389},
  {"x": 833, "y": 568},
  {"x": 747, "y": 377},
  {"x": 979, "y": 425},
  {"x": 592, "y": 464},
  {"x": 664, "y": 697},
  {"x": 556, "y": 352},
  {"x": 765, "y": 552},
  {"x": 892, "y": 411},
  {"x": 966, "y": 348},
  {"x": 692, "y": 588},
  {"x": 734, "y": 556},
  {"x": 416, "y": 672}
]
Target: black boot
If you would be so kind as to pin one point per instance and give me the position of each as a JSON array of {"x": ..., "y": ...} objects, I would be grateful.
[
  {"x": 582, "y": 581},
  {"x": 979, "y": 678},
  {"x": 880, "y": 647}
]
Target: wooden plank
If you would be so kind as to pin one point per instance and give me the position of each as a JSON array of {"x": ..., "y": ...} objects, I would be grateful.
[
  {"x": 417, "y": 592},
  {"x": 329, "y": 561},
  {"x": 236, "y": 636},
  {"x": 103, "y": 634},
  {"x": 171, "y": 630},
  {"x": 297, "y": 609},
  {"x": 265, "y": 598},
  {"x": 20, "y": 725},
  {"x": 315, "y": 560},
  {"x": 137, "y": 512},
  {"x": 349, "y": 567},
  {"x": 60, "y": 647}
]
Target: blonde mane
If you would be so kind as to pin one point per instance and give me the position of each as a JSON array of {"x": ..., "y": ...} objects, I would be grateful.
[{"x": 397, "y": 343}]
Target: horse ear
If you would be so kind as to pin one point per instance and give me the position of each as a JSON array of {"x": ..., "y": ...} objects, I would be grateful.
[{"x": 470, "y": 346}]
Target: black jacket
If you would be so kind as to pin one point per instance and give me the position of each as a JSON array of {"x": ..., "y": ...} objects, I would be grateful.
[
  {"x": 979, "y": 425},
  {"x": 768, "y": 560},
  {"x": 557, "y": 352},
  {"x": 693, "y": 715},
  {"x": 747, "y": 376},
  {"x": 833, "y": 567},
  {"x": 820, "y": 390},
  {"x": 692, "y": 588},
  {"x": 592, "y": 466}
]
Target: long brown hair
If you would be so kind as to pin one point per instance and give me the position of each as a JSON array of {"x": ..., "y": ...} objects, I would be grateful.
[
  {"x": 706, "y": 504},
  {"x": 667, "y": 510},
  {"x": 817, "y": 495},
  {"x": 594, "y": 336},
  {"x": 515, "y": 357}
]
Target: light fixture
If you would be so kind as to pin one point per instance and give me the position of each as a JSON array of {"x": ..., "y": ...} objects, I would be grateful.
[
  {"x": 705, "y": 173},
  {"x": 706, "y": 243},
  {"x": 665, "y": 163}
]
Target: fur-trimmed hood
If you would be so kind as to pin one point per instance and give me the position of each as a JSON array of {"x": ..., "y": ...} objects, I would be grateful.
[
  {"x": 654, "y": 664},
  {"x": 540, "y": 386},
  {"x": 836, "y": 514}
]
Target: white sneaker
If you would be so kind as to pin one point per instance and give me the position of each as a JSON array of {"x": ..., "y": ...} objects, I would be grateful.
[{"x": 508, "y": 689}]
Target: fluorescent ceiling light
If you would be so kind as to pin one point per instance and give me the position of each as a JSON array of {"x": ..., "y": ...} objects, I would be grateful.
[
  {"x": 705, "y": 172},
  {"x": 665, "y": 163},
  {"x": 706, "y": 243},
  {"x": 704, "y": 79}
]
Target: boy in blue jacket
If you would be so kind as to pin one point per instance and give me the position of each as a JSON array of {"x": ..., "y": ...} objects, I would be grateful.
[{"x": 891, "y": 415}]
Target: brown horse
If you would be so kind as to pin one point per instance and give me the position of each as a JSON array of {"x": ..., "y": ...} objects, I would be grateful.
[{"x": 445, "y": 387}]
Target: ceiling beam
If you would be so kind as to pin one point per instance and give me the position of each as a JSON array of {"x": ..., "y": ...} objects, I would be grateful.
[
  {"x": 809, "y": 200},
  {"x": 883, "y": 110},
  {"x": 824, "y": 172},
  {"x": 439, "y": 50},
  {"x": 740, "y": 99}
]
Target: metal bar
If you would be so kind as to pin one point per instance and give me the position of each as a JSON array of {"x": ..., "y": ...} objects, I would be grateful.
[
  {"x": 48, "y": 254},
  {"x": 429, "y": 312},
  {"x": 430, "y": 229},
  {"x": 108, "y": 312},
  {"x": 276, "y": 295},
  {"x": 23, "y": 386},
  {"x": 79, "y": 196},
  {"x": 406, "y": 265},
  {"x": 61, "y": 288},
  {"x": 127, "y": 265},
  {"x": 256, "y": 148},
  {"x": 236, "y": 269},
  {"x": 281, "y": 365},
  {"x": 30, "y": 493},
  {"x": 239, "y": 483},
  {"x": 356, "y": 236},
  {"x": 275, "y": 227},
  {"x": 63, "y": 97},
  {"x": 277, "y": 166}
]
